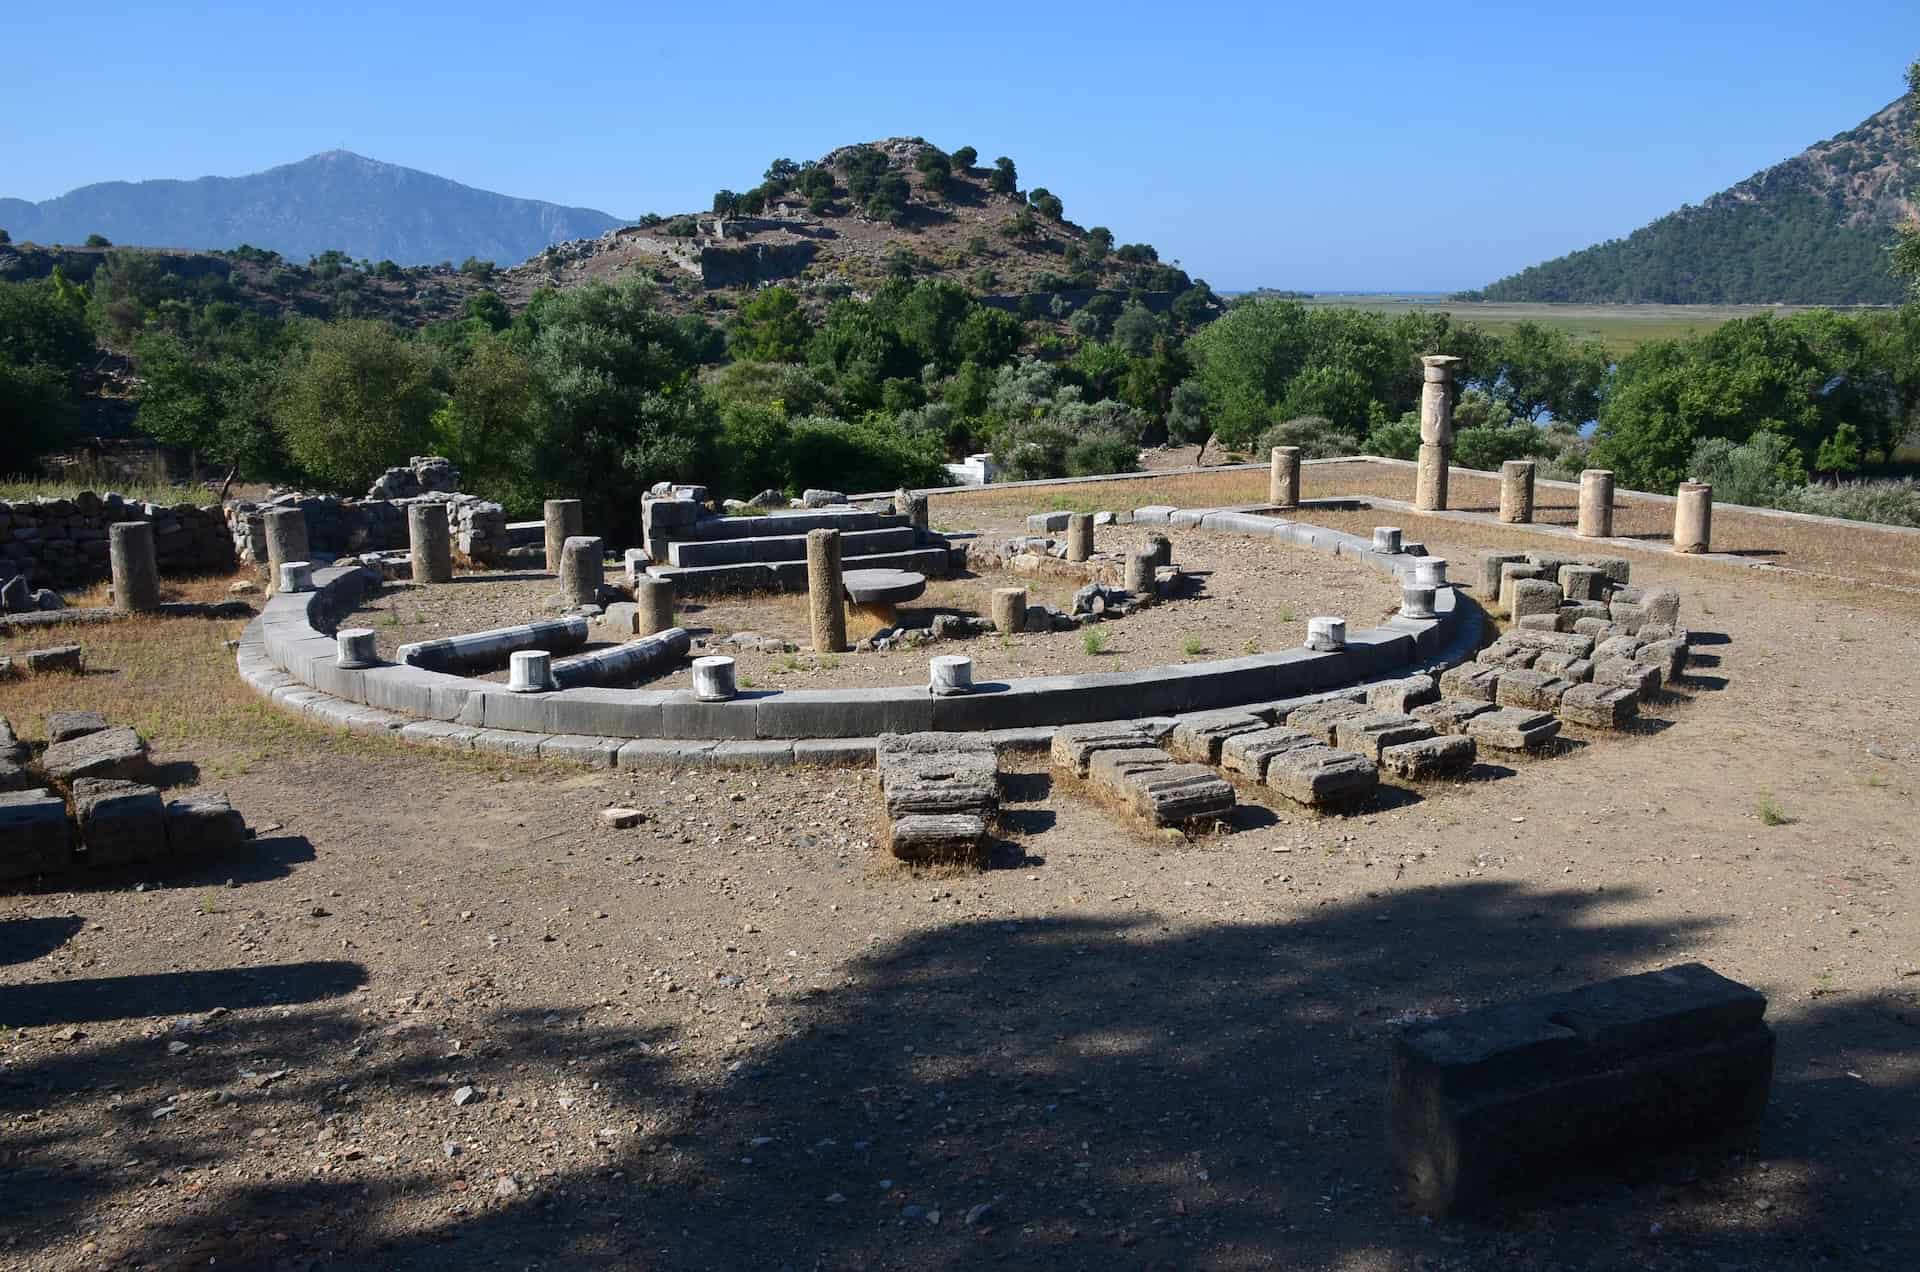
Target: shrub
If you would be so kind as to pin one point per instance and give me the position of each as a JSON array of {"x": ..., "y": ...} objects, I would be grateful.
[
  {"x": 963, "y": 158},
  {"x": 357, "y": 399},
  {"x": 1394, "y": 439},
  {"x": 99, "y": 240},
  {"x": 1316, "y": 436}
]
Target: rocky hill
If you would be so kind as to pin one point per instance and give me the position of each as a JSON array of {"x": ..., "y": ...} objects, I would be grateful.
[
  {"x": 866, "y": 213},
  {"x": 331, "y": 201},
  {"x": 1811, "y": 230}
]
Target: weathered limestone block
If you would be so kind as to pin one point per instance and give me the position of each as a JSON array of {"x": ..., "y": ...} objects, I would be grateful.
[
  {"x": 1488, "y": 1102},
  {"x": 1598, "y": 629},
  {"x": 1566, "y": 666},
  {"x": 1402, "y": 695},
  {"x": 34, "y": 836},
  {"x": 1693, "y": 517},
  {"x": 111, "y": 753},
  {"x": 1560, "y": 642},
  {"x": 1540, "y": 622},
  {"x": 1248, "y": 754},
  {"x": 1199, "y": 739},
  {"x": 1670, "y": 656},
  {"x": 67, "y": 658},
  {"x": 1321, "y": 718},
  {"x": 1500, "y": 654},
  {"x": 1450, "y": 715},
  {"x": 1618, "y": 569},
  {"x": 1573, "y": 613},
  {"x": 1583, "y": 583},
  {"x": 1650, "y": 632},
  {"x": 1009, "y": 610},
  {"x": 1513, "y": 729},
  {"x": 1174, "y": 794},
  {"x": 1075, "y": 744},
  {"x": 1511, "y": 575},
  {"x": 1487, "y": 572},
  {"x": 928, "y": 786},
  {"x": 1600, "y": 706},
  {"x": 64, "y": 726},
  {"x": 1661, "y": 605},
  {"x": 1429, "y": 758},
  {"x": 929, "y": 837},
  {"x": 120, "y": 822},
  {"x": 1474, "y": 682},
  {"x": 1534, "y": 596},
  {"x": 1531, "y": 689},
  {"x": 1319, "y": 776},
  {"x": 1643, "y": 678},
  {"x": 1368, "y": 734},
  {"x": 1108, "y": 768},
  {"x": 203, "y": 823},
  {"x": 11, "y": 747}
]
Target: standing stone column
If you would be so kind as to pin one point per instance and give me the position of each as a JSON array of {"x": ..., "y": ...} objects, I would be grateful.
[
  {"x": 1596, "y": 504},
  {"x": 1079, "y": 536},
  {"x": 1161, "y": 547},
  {"x": 1693, "y": 517},
  {"x": 136, "y": 576},
  {"x": 1283, "y": 477},
  {"x": 1436, "y": 431},
  {"x": 656, "y": 604},
  {"x": 286, "y": 541},
  {"x": 1516, "y": 491},
  {"x": 1009, "y": 610},
  {"x": 826, "y": 593},
  {"x": 429, "y": 543},
  {"x": 1140, "y": 576},
  {"x": 564, "y": 521},
  {"x": 582, "y": 570}
]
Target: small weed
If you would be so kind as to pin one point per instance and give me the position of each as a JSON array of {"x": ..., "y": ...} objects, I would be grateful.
[
  {"x": 1288, "y": 615},
  {"x": 1093, "y": 640},
  {"x": 206, "y": 904},
  {"x": 1875, "y": 779},
  {"x": 389, "y": 619},
  {"x": 788, "y": 663},
  {"x": 1193, "y": 646},
  {"x": 1771, "y": 814},
  {"x": 1847, "y": 638},
  {"x": 1252, "y": 646},
  {"x": 746, "y": 682},
  {"x": 830, "y": 662}
]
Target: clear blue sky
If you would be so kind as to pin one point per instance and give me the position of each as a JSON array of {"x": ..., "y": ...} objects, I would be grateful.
[{"x": 1320, "y": 146}]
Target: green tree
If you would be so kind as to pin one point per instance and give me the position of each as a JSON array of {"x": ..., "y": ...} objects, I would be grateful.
[
  {"x": 1099, "y": 242},
  {"x": 493, "y": 424},
  {"x": 1136, "y": 328},
  {"x": 725, "y": 202},
  {"x": 1543, "y": 370},
  {"x": 1047, "y": 204},
  {"x": 964, "y": 157},
  {"x": 1005, "y": 178},
  {"x": 355, "y": 398},
  {"x": 98, "y": 240},
  {"x": 218, "y": 405},
  {"x": 1839, "y": 455},
  {"x": 771, "y": 327},
  {"x": 1906, "y": 249}
]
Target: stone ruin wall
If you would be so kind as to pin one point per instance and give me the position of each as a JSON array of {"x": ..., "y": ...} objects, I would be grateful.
[{"x": 62, "y": 543}]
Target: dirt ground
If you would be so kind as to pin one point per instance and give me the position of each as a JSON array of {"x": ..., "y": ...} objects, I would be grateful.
[
  {"x": 739, "y": 1037},
  {"x": 1250, "y": 598}
]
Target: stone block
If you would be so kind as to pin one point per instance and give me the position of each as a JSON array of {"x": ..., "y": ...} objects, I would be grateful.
[
  {"x": 34, "y": 834},
  {"x": 1504, "y": 653},
  {"x": 1623, "y": 646},
  {"x": 1450, "y": 715},
  {"x": 1429, "y": 758},
  {"x": 1368, "y": 734},
  {"x": 1320, "y": 777},
  {"x": 64, "y": 726},
  {"x": 1563, "y": 642},
  {"x": 1531, "y": 689},
  {"x": 1488, "y": 1102},
  {"x": 1402, "y": 695},
  {"x": 1486, "y": 579},
  {"x": 1534, "y": 596},
  {"x": 1200, "y": 739},
  {"x": 1619, "y": 570},
  {"x": 1320, "y": 718},
  {"x": 1583, "y": 582},
  {"x": 1573, "y": 613},
  {"x": 120, "y": 822},
  {"x": 116, "y": 752},
  {"x": 1175, "y": 794},
  {"x": 67, "y": 658},
  {"x": 203, "y": 824},
  {"x": 1248, "y": 754},
  {"x": 1110, "y": 768},
  {"x": 1511, "y": 574},
  {"x": 1670, "y": 656},
  {"x": 1564, "y": 665},
  {"x": 1642, "y": 678},
  {"x": 1661, "y": 605},
  {"x": 1472, "y": 681},
  {"x": 1598, "y": 629},
  {"x": 11, "y": 747},
  {"x": 922, "y": 837},
  {"x": 1074, "y": 745},
  {"x": 1600, "y": 706},
  {"x": 1542, "y": 622},
  {"x": 1513, "y": 729},
  {"x": 930, "y": 784}
]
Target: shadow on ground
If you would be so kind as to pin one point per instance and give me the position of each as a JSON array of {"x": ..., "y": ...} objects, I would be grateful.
[{"x": 1092, "y": 1093}]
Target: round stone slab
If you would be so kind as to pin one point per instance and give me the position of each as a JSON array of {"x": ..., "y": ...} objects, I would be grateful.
[{"x": 882, "y": 587}]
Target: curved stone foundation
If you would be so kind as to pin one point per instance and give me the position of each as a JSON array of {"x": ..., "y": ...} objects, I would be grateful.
[{"x": 289, "y": 654}]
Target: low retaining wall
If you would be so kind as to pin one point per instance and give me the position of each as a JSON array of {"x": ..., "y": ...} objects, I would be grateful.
[
  {"x": 343, "y": 527},
  {"x": 289, "y": 655},
  {"x": 62, "y": 543}
]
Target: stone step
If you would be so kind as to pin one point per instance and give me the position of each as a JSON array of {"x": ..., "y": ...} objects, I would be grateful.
[
  {"x": 792, "y": 547},
  {"x": 788, "y": 576},
  {"x": 798, "y": 521}
]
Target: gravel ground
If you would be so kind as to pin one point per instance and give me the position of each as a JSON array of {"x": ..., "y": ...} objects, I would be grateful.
[{"x": 737, "y": 1036}]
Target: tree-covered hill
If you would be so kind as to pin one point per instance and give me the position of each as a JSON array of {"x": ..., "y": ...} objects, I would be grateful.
[{"x": 1812, "y": 230}]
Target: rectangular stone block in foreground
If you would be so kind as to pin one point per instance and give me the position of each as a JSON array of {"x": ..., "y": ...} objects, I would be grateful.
[
  {"x": 1490, "y": 1101},
  {"x": 34, "y": 838}
]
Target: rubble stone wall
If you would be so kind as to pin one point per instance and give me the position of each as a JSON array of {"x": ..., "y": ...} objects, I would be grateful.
[{"x": 62, "y": 543}]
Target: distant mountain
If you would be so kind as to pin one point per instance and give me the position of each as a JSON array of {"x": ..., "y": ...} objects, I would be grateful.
[
  {"x": 1811, "y": 230},
  {"x": 379, "y": 211}
]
